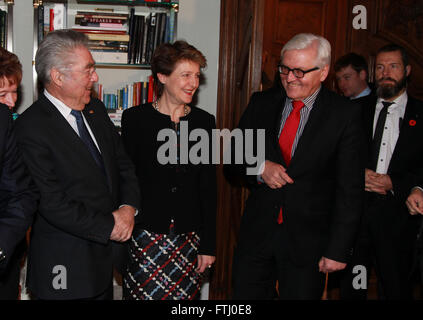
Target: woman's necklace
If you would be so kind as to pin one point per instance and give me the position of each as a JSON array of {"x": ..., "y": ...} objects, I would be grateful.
[{"x": 156, "y": 106}]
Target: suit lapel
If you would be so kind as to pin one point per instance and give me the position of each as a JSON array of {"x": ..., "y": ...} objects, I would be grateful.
[
  {"x": 60, "y": 125},
  {"x": 97, "y": 128},
  {"x": 69, "y": 137},
  {"x": 406, "y": 133},
  {"x": 279, "y": 105}
]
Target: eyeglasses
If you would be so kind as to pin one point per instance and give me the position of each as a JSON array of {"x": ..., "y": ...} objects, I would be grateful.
[
  {"x": 298, "y": 73},
  {"x": 89, "y": 71}
]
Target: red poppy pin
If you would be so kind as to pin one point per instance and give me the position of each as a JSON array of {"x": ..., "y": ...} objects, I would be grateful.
[{"x": 412, "y": 123}]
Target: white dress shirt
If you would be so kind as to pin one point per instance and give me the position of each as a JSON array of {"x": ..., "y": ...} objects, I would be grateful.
[{"x": 390, "y": 135}]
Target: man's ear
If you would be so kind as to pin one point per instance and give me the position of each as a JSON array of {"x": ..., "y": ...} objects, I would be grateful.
[
  {"x": 324, "y": 73},
  {"x": 407, "y": 70},
  {"x": 56, "y": 77},
  {"x": 362, "y": 75}
]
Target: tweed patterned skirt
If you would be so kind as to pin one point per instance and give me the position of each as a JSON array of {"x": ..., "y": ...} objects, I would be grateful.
[{"x": 162, "y": 267}]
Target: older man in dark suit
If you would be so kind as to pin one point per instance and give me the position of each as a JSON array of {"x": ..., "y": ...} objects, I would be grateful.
[
  {"x": 302, "y": 215},
  {"x": 89, "y": 192},
  {"x": 18, "y": 197}
]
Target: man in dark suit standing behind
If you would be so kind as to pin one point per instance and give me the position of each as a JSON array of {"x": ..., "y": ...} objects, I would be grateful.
[
  {"x": 89, "y": 192},
  {"x": 394, "y": 133},
  {"x": 301, "y": 221},
  {"x": 18, "y": 196}
]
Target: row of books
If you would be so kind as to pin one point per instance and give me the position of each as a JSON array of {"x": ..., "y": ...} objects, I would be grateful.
[
  {"x": 130, "y": 95},
  {"x": 3, "y": 29},
  {"x": 107, "y": 33},
  {"x": 114, "y": 37},
  {"x": 148, "y": 32},
  {"x": 51, "y": 16}
]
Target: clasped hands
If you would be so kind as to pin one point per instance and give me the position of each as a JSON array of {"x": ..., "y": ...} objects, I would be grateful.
[
  {"x": 377, "y": 182},
  {"x": 124, "y": 223}
]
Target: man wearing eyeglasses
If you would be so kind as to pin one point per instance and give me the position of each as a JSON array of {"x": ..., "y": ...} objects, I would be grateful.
[
  {"x": 87, "y": 183},
  {"x": 303, "y": 211}
]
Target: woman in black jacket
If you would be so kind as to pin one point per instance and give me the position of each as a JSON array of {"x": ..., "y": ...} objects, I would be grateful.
[{"x": 175, "y": 233}]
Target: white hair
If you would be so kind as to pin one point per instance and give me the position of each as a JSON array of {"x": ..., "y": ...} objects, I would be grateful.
[{"x": 305, "y": 40}]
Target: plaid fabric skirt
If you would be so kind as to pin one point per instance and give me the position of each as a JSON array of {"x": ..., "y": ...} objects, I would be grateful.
[{"x": 162, "y": 267}]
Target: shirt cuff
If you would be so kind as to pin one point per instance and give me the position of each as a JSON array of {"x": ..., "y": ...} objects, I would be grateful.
[
  {"x": 416, "y": 187},
  {"x": 261, "y": 169},
  {"x": 136, "y": 210}
]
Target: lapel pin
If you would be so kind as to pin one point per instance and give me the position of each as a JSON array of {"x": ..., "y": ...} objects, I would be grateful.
[
  {"x": 91, "y": 111},
  {"x": 412, "y": 123}
]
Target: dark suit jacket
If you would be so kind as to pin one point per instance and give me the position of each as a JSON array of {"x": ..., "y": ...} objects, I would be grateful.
[
  {"x": 18, "y": 195},
  {"x": 74, "y": 222},
  {"x": 405, "y": 167},
  {"x": 322, "y": 207},
  {"x": 407, "y": 159}
]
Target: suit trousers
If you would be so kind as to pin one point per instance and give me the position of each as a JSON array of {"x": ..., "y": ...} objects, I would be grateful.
[
  {"x": 385, "y": 240},
  {"x": 255, "y": 271}
]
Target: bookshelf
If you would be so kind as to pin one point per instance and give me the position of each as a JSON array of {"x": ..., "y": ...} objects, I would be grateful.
[
  {"x": 6, "y": 24},
  {"x": 131, "y": 56}
]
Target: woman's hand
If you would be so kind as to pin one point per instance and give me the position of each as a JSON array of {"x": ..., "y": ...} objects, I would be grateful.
[{"x": 204, "y": 262}]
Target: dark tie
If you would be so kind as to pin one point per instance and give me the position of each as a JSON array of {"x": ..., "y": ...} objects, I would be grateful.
[
  {"x": 287, "y": 137},
  {"x": 377, "y": 137},
  {"x": 86, "y": 138}
]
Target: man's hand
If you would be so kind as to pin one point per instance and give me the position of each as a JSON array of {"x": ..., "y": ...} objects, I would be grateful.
[
  {"x": 124, "y": 223},
  {"x": 415, "y": 202},
  {"x": 204, "y": 262},
  {"x": 376, "y": 182},
  {"x": 329, "y": 265},
  {"x": 274, "y": 175}
]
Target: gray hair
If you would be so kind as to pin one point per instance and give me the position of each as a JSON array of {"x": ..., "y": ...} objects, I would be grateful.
[
  {"x": 56, "y": 52},
  {"x": 305, "y": 40}
]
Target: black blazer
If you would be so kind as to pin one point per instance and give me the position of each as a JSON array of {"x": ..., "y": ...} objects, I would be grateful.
[
  {"x": 18, "y": 195},
  {"x": 74, "y": 220},
  {"x": 407, "y": 158},
  {"x": 322, "y": 207},
  {"x": 185, "y": 192}
]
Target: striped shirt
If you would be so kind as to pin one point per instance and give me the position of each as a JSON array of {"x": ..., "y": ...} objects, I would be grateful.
[{"x": 305, "y": 113}]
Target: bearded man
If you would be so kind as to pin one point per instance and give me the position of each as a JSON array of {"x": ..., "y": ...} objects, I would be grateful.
[{"x": 395, "y": 155}]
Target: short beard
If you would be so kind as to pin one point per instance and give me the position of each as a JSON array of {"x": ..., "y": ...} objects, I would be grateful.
[{"x": 390, "y": 91}]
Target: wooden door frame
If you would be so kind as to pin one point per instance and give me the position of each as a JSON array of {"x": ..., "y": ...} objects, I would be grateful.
[{"x": 229, "y": 110}]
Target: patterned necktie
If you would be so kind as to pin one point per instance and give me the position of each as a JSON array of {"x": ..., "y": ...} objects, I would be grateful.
[
  {"x": 377, "y": 137},
  {"x": 86, "y": 138},
  {"x": 287, "y": 137}
]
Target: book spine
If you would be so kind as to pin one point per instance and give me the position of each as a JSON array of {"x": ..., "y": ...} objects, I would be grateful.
[
  {"x": 172, "y": 19},
  {"x": 40, "y": 23},
  {"x": 3, "y": 29},
  {"x": 144, "y": 43},
  {"x": 51, "y": 20},
  {"x": 150, "y": 97},
  {"x": 59, "y": 11},
  {"x": 99, "y": 20},
  {"x": 151, "y": 35},
  {"x": 132, "y": 37},
  {"x": 108, "y": 36}
]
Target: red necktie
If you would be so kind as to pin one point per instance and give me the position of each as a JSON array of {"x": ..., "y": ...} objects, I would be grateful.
[{"x": 287, "y": 137}]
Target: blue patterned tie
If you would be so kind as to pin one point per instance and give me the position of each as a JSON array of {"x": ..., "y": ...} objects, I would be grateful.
[{"x": 86, "y": 138}]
